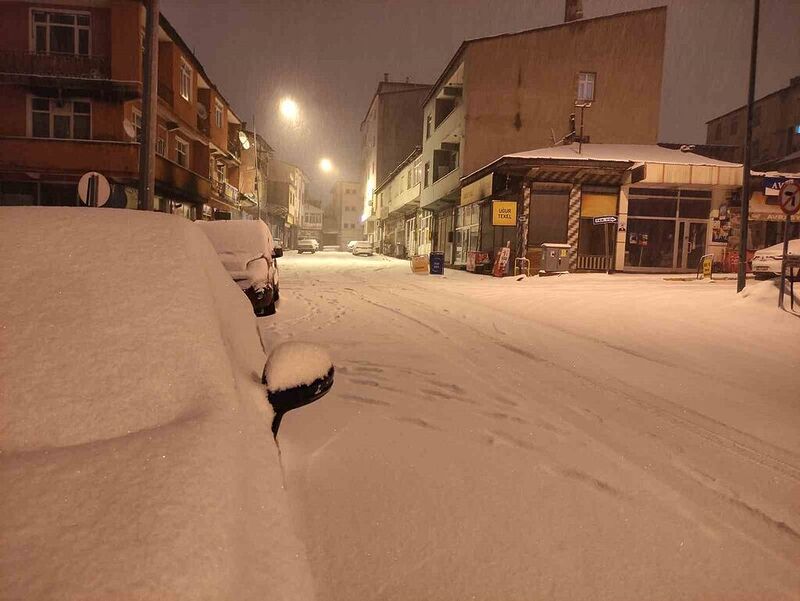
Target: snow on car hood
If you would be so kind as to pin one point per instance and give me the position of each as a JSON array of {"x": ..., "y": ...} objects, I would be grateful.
[
  {"x": 238, "y": 242},
  {"x": 776, "y": 250},
  {"x": 136, "y": 433}
]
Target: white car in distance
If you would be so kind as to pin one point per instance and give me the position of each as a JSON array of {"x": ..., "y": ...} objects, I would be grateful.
[{"x": 363, "y": 247}]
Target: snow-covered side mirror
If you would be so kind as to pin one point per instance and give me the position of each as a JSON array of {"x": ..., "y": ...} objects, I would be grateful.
[{"x": 296, "y": 374}]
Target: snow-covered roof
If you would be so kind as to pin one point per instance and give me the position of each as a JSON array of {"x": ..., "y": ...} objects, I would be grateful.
[{"x": 623, "y": 153}]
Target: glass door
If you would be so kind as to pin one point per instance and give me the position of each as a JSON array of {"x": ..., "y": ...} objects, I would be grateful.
[{"x": 691, "y": 237}]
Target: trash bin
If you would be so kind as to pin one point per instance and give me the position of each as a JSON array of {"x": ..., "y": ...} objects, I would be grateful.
[
  {"x": 555, "y": 258},
  {"x": 437, "y": 263}
]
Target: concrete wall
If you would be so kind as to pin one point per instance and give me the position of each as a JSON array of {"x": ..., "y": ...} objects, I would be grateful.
[
  {"x": 519, "y": 87},
  {"x": 399, "y": 128}
]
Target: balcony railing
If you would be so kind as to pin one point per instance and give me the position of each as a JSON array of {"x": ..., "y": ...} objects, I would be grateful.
[
  {"x": 227, "y": 192},
  {"x": 54, "y": 65}
]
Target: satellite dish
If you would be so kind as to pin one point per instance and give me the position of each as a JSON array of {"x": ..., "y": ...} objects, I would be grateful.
[
  {"x": 201, "y": 111},
  {"x": 129, "y": 128},
  {"x": 245, "y": 141}
]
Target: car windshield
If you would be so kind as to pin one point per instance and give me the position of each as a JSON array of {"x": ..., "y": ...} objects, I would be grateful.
[{"x": 536, "y": 249}]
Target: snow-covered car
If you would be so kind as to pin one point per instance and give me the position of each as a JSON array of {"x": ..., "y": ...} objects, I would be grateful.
[
  {"x": 767, "y": 261},
  {"x": 363, "y": 247},
  {"x": 307, "y": 245},
  {"x": 351, "y": 245},
  {"x": 137, "y": 457},
  {"x": 248, "y": 252}
]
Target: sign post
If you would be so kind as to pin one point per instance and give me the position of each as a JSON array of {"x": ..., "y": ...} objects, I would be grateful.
[
  {"x": 790, "y": 204},
  {"x": 606, "y": 221},
  {"x": 94, "y": 189}
]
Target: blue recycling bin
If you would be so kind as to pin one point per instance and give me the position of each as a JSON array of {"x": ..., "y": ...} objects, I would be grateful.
[{"x": 437, "y": 263}]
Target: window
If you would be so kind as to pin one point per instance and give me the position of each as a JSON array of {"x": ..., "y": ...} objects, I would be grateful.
[
  {"x": 218, "y": 113},
  {"x": 219, "y": 171},
  {"x": 70, "y": 119},
  {"x": 186, "y": 81},
  {"x": 137, "y": 124},
  {"x": 181, "y": 152},
  {"x": 428, "y": 126},
  {"x": 61, "y": 32},
  {"x": 161, "y": 141},
  {"x": 585, "y": 91},
  {"x": 427, "y": 173}
]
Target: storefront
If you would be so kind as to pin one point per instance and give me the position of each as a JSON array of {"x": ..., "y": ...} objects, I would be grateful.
[{"x": 665, "y": 207}]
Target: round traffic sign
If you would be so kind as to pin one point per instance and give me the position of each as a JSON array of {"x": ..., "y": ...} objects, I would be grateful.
[
  {"x": 790, "y": 198},
  {"x": 94, "y": 189}
]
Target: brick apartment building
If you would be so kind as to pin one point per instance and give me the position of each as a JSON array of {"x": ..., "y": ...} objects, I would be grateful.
[{"x": 71, "y": 103}]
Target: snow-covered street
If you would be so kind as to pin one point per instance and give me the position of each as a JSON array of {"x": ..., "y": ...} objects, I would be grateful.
[{"x": 579, "y": 437}]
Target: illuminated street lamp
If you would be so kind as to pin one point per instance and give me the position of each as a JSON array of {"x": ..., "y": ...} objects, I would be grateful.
[
  {"x": 289, "y": 110},
  {"x": 326, "y": 166}
]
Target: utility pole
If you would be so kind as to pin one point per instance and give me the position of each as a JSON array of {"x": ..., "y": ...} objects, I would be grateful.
[
  {"x": 147, "y": 145},
  {"x": 740, "y": 280}
]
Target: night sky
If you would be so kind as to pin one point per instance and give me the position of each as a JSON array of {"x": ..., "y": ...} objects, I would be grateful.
[{"x": 330, "y": 54}]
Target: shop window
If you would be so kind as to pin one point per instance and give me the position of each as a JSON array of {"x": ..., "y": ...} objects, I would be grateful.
[
  {"x": 58, "y": 195},
  {"x": 694, "y": 208},
  {"x": 70, "y": 119},
  {"x": 59, "y": 32},
  {"x": 15, "y": 194},
  {"x": 653, "y": 207},
  {"x": 585, "y": 91}
]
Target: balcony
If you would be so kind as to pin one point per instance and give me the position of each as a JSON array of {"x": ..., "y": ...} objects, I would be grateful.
[
  {"x": 234, "y": 145},
  {"x": 54, "y": 65},
  {"x": 66, "y": 71},
  {"x": 226, "y": 192},
  {"x": 179, "y": 182},
  {"x": 69, "y": 157}
]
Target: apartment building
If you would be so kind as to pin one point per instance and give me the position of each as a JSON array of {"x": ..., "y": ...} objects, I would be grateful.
[
  {"x": 71, "y": 77},
  {"x": 513, "y": 92},
  {"x": 286, "y": 190},
  {"x": 404, "y": 228},
  {"x": 775, "y": 142},
  {"x": 256, "y": 157},
  {"x": 311, "y": 222},
  {"x": 346, "y": 205},
  {"x": 389, "y": 132}
]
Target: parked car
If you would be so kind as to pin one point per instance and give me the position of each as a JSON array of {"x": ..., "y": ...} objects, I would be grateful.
[
  {"x": 363, "y": 247},
  {"x": 248, "y": 252},
  {"x": 767, "y": 262},
  {"x": 307, "y": 245},
  {"x": 351, "y": 245},
  {"x": 136, "y": 429}
]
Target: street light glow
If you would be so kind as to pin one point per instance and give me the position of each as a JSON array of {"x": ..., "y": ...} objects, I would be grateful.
[
  {"x": 326, "y": 165},
  {"x": 289, "y": 109}
]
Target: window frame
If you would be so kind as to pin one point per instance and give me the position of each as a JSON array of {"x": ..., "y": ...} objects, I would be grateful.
[
  {"x": 136, "y": 113},
  {"x": 185, "y": 70},
  {"x": 579, "y": 85},
  {"x": 218, "y": 113},
  {"x": 160, "y": 139},
  {"x": 77, "y": 28},
  {"x": 56, "y": 111},
  {"x": 178, "y": 143}
]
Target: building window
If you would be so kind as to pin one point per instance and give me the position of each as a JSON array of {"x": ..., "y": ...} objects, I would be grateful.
[
  {"x": 137, "y": 124},
  {"x": 218, "y": 113},
  {"x": 186, "y": 81},
  {"x": 181, "y": 152},
  {"x": 585, "y": 91},
  {"x": 427, "y": 174},
  {"x": 219, "y": 171},
  {"x": 428, "y": 121},
  {"x": 61, "y": 32},
  {"x": 734, "y": 126},
  {"x": 161, "y": 141},
  {"x": 70, "y": 119}
]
